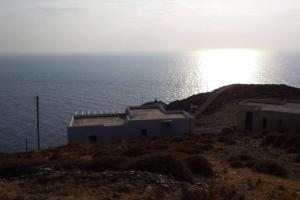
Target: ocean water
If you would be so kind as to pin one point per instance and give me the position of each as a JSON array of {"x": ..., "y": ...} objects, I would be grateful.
[{"x": 110, "y": 82}]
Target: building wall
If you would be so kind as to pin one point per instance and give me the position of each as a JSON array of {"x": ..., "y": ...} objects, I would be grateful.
[
  {"x": 131, "y": 130},
  {"x": 275, "y": 120}
]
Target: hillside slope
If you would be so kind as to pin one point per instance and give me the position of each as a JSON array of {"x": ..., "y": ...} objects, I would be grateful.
[{"x": 217, "y": 162}]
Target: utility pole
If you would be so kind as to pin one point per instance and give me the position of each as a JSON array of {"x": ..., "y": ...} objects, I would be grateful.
[
  {"x": 38, "y": 122},
  {"x": 26, "y": 145}
]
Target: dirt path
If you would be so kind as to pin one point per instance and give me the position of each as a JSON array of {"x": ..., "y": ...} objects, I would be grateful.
[{"x": 210, "y": 99}]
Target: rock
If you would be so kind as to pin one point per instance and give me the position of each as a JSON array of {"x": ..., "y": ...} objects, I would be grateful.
[
  {"x": 149, "y": 188},
  {"x": 226, "y": 131},
  {"x": 116, "y": 195}
]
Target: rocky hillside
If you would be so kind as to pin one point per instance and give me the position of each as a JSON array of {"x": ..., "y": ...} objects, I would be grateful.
[{"x": 217, "y": 162}]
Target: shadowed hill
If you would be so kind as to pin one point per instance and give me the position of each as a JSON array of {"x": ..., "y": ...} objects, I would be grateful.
[{"x": 237, "y": 92}]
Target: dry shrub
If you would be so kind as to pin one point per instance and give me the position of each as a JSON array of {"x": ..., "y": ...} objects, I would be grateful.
[
  {"x": 160, "y": 163},
  {"x": 99, "y": 164},
  {"x": 208, "y": 147},
  {"x": 297, "y": 145},
  {"x": 268, "y": 140},
  {"x": 155, "y": 193},
  {"x": 55, "y": 156},
  {"x": 279, "y": 141},
  {"x": 227, "y": 193},
  {"x": 17, "y": 167},
  {"x": 283, "y": 129},
  {"x": 176, "y": 139},
  {"x": 188, "y": 194},
  {"x": 226, "y": 140},
  {"x": 199, "y": 165},
  {"x": 207, "y": 141},
  {"x": 106, "y": 162},
  {"x": 242, "y": 157},
  {"x": 186, "y": 149},
  {"x": 241, "y": 160},
  {"x": 270, "y": 167},
  {"x": 135, "y": 151},
  {"x": 98, "y": 154},
  {"x": 74, "y": 148},
  {"x": 297, "y": 158},
  {"x": 215, "y": 191},
  {"x": 236, "y": 164},
  {"x": 227, "y": 131},
  {"x": 290, "y": 142},
  {"x": 160, "y": 146}
]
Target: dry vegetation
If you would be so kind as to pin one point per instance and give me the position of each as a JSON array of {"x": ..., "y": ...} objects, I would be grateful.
[{"x": 217, "y": 163}]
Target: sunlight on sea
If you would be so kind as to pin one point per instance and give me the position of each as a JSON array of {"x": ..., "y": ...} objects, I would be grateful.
[{"x": 220, "y": 67}]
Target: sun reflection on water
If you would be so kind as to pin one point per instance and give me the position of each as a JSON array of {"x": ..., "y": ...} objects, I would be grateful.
[{"x": 218, "y": 67}]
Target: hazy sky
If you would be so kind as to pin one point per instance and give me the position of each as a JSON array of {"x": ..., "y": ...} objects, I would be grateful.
[{"x": 52, "y": 26}]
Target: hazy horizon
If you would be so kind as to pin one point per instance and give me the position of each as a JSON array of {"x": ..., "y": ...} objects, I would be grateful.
[{"x": 115, "y": 26}]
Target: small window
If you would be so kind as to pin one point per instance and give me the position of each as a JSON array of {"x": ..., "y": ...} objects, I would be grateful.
[
  {"x": 93, "y": 139},
  {"x": 265, "y": 123},
  {"x": 166, "y": 124},
  {"x": 144, "y": 132}
]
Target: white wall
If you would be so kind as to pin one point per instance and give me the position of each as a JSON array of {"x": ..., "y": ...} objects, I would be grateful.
[
  {"x": 132, "y": 130},
  {"x": 291, "y": 121}
]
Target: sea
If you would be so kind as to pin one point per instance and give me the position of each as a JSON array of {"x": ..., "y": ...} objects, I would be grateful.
[{"x": 70, "y": 83}]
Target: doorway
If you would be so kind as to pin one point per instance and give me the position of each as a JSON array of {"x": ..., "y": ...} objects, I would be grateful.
[
  {"x": 248, "y": 121},
  {"x": 93, "y": 139},
  {"x": 264, "y": 123},
  {"x": 144, "y": 132}
]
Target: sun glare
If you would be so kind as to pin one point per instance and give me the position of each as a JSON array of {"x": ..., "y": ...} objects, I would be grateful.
[{"x": 225, "y": 66}]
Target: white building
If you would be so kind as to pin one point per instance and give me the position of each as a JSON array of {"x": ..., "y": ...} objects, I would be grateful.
[
  {"x": 268, "y": 115},
  {"x": 136, "y": 122}
]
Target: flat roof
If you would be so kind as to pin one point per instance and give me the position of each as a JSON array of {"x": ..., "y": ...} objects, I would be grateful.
[
  {"x": 100, "y": 120},
  {"x": 153, "y": 113},
  {"x": 131, "y": 114},
  {"x": 275, "y": 106}
]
